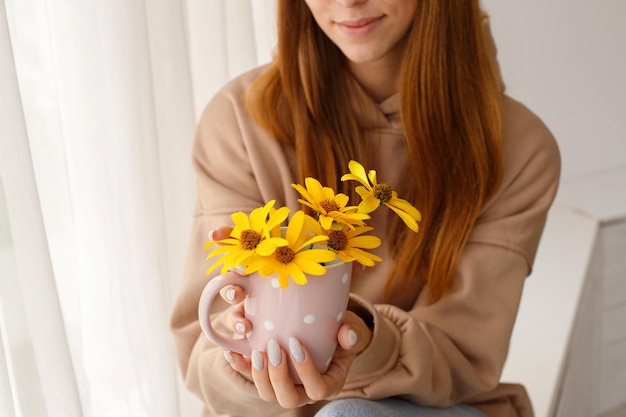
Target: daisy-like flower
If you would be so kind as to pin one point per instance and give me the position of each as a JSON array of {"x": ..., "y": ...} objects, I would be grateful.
[
  {"x": 251, "y": 235},
  {"x": 349, "y": 243},
  {"x": 295, "y": 259},
  {"x": 328, "y": 206},
  {"x": 376, "y": 194}
]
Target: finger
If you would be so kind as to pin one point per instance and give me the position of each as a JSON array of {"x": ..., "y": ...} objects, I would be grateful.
[
  {"x": 239, "y": 363},
  {"x": 236, "y": 320},
  {"x": 287, "y": 393},
  {"x": 261, "y": 377},
  {"x": 220, "y": 233},
  {"x": 348, "y": 337},
  {"x": 337, "y": 371},
  {"x": 316, "y": 386},
  {"x": 354, "y": 335},
  {"x": 233, "y": 294}
]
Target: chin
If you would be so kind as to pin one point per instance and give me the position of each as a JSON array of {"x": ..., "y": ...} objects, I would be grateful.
[{"x": 362, "y": 58}]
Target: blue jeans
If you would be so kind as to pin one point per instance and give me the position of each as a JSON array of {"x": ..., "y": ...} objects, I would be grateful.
[{"x": 391, "y": 407}]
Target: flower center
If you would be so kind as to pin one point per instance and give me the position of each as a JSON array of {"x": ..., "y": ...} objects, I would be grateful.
[
  {"x": 329, "y": 205},
  {"x": 284, "y": 254},
  {"x": 337, "y": 240},
  {"x": 250, "y": 239},
  {"x": 383, "y": 192}
]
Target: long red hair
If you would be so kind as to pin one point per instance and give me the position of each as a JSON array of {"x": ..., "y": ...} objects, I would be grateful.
[{"x": 450, "y": 108}]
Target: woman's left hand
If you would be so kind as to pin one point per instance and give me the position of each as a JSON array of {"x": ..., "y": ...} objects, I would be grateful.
[{"x": 270, "y": 371}]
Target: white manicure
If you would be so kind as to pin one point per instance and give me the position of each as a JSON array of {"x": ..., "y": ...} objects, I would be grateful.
[
  {"x": 296, "y": 349},
  {"x": 229, "y": 357},
  {"x": 352, "y": 337},
  {"x": 257, "y": 360},
  {"x": 240, "y": 270},
  {"x": 240, "y": 327},
  {"x": 230, "y": 294},
  {"x": 273, "y": 352}
]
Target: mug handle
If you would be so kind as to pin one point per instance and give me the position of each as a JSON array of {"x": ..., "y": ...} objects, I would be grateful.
[{"x": 210, "y": 291}]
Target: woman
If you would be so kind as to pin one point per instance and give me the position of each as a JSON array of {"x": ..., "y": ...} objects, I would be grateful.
[{"x": 411, "y": 89}]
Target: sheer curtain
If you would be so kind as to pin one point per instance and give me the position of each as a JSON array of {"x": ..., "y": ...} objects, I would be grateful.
[{"x": 99, "y": 102}]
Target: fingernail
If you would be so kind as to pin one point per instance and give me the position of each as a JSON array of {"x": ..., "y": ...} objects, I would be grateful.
[
  {"x": 230, "y": 294},
  {"x": 229, "y": 358},
  {"x": 296, "y": 349},
  {"x": 352, "y": 337},
  {"x": 240, "y": 327},
  {"x": 257, "y": 360},
  {"x": 273, "y": 352},
  {"x": 211, "y": 232}
]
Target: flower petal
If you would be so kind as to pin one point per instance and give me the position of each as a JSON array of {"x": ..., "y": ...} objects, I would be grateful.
[
  {"x": 294, "y": 229},
  {"x": 308, "y": 266},
  {"x": 315, "y": 189},
  {"x": 365, "y": 242},
  {"x": 259, "y": 215},
  {"x": 342, "y": 200},
  {"x": 283, "y": 277},
  {"x": 303, "y": 191},
  {"x": 372, "y": 177},
  {"x": 405, "y": 206},
  {"x": 296, "y": 274},
  {"x": 326, "y": 222},
  {"x": 268, "y": 246},
  {"x": 241, "y": 220},
  {"x": 408, "y": 220},
  {"x": 369, "y": 204},
  {"x": 362, "y": 257},
  {"x": 277, "y": 217},
  {"x": 317, "y": 255}
]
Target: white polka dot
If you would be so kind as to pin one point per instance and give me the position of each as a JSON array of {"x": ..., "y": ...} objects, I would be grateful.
[
  {"x": 345, "y": 278},
  {"x": 309, "y": 318},
  {"x": 269, "y": 325},
  {"x": 275, "y": 283},
  {"x": 340, "y": 316}
]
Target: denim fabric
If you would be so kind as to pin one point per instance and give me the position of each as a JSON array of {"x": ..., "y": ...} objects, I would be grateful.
[{"x": 391, "y": 407}]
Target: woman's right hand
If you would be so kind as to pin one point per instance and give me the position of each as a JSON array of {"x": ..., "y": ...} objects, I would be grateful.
[{"x": 235, "y": 319}]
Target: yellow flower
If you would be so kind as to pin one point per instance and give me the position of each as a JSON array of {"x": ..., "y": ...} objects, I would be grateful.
[
  {"x": 330, "y": 207},
  {"x": 251, "y": 235},
  {"x": 349, "y": 243},
  {"x": 296, "y": 258},
  {"x": 374, "y": 195}
]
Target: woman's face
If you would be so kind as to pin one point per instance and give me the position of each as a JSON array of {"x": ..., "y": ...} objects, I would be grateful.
[{"x": 366, "y": 31}]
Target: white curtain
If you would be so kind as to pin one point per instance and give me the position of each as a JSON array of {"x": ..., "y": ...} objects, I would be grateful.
[{"x": 99, "y": 99}]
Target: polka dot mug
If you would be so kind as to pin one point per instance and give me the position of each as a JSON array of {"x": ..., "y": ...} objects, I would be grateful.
[{"x": 312, "y": 313}]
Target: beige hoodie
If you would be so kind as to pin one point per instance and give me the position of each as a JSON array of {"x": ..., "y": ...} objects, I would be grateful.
[{"x": 441, "y": 354}]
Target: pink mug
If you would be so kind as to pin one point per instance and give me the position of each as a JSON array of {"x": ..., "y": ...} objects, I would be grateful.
[{"x": 311, "y": 313}]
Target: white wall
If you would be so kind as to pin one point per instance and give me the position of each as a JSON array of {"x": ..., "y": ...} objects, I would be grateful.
[{"x": 566, "y": 59}]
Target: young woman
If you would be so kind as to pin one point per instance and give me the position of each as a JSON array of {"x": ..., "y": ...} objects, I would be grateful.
[{"x": 411, "y": 89}]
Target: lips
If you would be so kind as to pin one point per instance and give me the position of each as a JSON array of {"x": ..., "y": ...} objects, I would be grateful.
[
  {"x": 358, "y": 23},
  {"x": 359, "y": 27}
]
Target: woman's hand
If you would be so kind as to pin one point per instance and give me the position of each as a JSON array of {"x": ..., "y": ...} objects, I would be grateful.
[
  {"x": 270, "y": 372},
  {"x": 233, "y": 294}
]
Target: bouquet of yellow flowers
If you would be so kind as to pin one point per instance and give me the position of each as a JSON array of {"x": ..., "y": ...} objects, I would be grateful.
[{"x": 259, "y": 244}]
